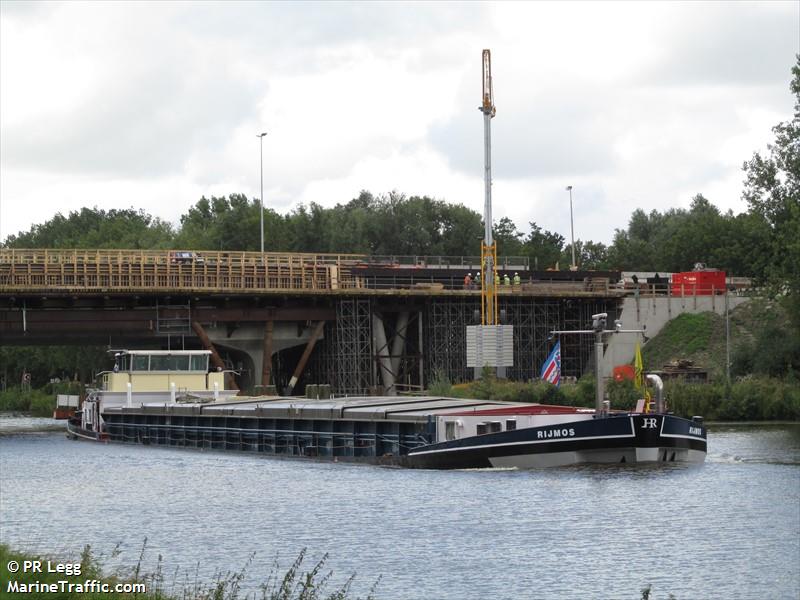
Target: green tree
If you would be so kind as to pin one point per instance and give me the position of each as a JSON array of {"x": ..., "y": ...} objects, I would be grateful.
[
  {"x": 690, "y": 237},
  {"x": 232, "y": 223},
  {"x": 353, "y": 226},
  {"x": 408, "y": 226},
  {"x": 632, "y": 248},
  {"x": 48, "y": 362},
  {"x": 308, "y": 228},
  {"x": 543, "y": 247},
  {"x": 772, "y": 191},
  {"x": 462, "y": 231},
  {"x": 391, "y": 224},
  {"x": 678, "y": 239},
  {"x": 509, "y": 239},
  {"x": 589, "y": 255},
  {"x": 746, "y": 250},
  {"x": 97, "y": 228}
]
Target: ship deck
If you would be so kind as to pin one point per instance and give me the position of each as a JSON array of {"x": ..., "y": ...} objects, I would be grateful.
[
  {"x": 370, "y": 408},
  {"x": 371, "y": 429}
]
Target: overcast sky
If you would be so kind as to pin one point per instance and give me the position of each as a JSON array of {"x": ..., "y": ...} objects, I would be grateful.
[{"x": 151, "y": 106}]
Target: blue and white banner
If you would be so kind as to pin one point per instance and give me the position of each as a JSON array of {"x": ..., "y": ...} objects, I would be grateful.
[{"x": 551, "y": 369}]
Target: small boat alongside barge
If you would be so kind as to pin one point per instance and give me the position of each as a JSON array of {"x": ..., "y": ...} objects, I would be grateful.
[{"x": 170, "y": 399}]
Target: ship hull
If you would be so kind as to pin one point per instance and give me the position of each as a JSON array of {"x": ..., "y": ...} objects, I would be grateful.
[
  {"x": 614, "y": 439},
  {"x": 405, "y": 432},
  {"x": 75, "y": 431}
]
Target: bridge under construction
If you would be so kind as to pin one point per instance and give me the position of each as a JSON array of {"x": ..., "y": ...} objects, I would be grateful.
[{"x": 360, "y": 324}]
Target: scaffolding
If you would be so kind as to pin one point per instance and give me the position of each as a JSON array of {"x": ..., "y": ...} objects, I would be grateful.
[
  {"x": 533, "y": 320},
  {"x": 577, "y": 351},
  {"x": 345, "y": 359},
  {"x": 445, "y": 340}
]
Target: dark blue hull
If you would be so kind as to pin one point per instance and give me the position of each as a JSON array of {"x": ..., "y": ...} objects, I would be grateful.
[{"x": 613, "y": 439}]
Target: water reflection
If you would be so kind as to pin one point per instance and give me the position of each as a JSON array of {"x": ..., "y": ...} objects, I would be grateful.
[{"x": 695, "y": 531}]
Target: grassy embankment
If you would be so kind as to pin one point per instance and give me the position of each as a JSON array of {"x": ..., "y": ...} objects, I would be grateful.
[
  {"x": 759, "y": 333},
  {"x": 697, "y": 337},
  {"x": 293, "y": 584},
  {"x": 37, "y": 402}
]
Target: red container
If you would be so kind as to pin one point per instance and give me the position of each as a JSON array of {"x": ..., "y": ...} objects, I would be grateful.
[{"x": 698, "y": 283}]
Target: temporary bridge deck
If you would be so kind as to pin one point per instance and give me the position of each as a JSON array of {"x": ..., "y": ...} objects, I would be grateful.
[{"x": 78, "y": 271}]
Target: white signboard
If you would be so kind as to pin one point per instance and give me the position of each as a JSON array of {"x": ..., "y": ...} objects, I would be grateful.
[
  {"x": 66, "y": 401},
  {"x": 490, "y": 345}
]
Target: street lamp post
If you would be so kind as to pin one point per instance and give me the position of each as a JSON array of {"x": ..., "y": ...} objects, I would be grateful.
[
  {"x": 572, "y": 230},
  {"x": 261, "y": 199}
]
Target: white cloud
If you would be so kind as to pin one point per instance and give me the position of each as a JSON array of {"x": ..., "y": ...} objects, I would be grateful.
[{"x": 152, "y": 105}]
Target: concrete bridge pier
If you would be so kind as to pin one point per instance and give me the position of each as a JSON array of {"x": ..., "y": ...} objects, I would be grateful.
[
  {"x": 249, "y": 339},
  {"x": 389, "y": 352}
]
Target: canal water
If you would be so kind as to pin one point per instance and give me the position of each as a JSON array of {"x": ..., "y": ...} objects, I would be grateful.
[{"x": 729, "y": 528}]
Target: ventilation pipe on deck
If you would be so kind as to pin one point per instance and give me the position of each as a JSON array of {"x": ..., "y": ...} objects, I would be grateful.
[
  {"x": 598, "y": 327},
  {"x": 172, "y": 392},
  {"x": 129, "y": 395},
  {"x": 659, "y": 385}
]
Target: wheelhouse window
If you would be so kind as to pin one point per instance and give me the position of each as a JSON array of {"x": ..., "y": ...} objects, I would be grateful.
[
  {"x": 199, "y": 362},
  {"x": 482, "y": 428},
  {"x": 495, "y": 426},
  {"x": 159, "y": 363},
  {"x": 179, "y": 362},
  {"x": 511, "y": 424},
  {"x": 169, "y": 362},
  {"x": 449, "y": 430}
]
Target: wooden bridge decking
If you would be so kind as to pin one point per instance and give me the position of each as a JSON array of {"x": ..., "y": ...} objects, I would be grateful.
[{"x": 78, "y": 271}]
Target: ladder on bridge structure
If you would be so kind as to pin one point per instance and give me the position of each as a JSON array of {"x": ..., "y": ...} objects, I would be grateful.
[{"x": 173, "y": 319}]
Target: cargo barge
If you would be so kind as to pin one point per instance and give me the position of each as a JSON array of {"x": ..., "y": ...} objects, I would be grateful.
[{"x": 170, "y": 399}]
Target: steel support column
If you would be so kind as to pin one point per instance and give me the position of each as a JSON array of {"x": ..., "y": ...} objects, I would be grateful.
[
  {"x": 399, "y": 343},
  {"x": 382, "y": 355},
  {"x": 304, "y": 358},
  {"x": 216, "y": 359},
  {"x": 266, "y": 359}
]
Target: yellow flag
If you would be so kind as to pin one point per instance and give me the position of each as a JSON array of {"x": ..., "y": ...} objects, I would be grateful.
[
  {"x": 638, "y": 369},
  {"x": 638, "y": 380}
]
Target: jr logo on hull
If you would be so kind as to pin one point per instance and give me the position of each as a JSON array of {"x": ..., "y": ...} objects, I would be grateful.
[{"x": 649, "y": 423}]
